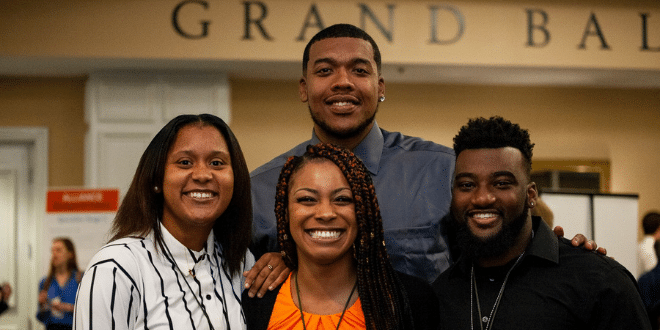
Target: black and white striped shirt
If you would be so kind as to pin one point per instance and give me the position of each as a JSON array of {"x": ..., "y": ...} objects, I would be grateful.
[{"x": 129, "y": 285}]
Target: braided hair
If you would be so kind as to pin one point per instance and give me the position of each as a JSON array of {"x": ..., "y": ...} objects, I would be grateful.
[{"x": 383, "y": 301}]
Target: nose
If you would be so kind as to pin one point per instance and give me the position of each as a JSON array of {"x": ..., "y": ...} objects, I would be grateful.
[
  {"x": 342, "y": 80},
  {"x": 483, "y": 197},
  {"x": 201, "y": 173},
  {"x": 325, "y": 211}
]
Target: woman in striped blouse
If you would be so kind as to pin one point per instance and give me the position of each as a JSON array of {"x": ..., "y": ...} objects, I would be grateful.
[{"x": 180, "y": 238}]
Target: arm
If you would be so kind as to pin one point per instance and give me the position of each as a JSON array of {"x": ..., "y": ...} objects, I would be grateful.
[
  {"x": 619, "y": 305},
  {"x": 266, "y": 274},
  {"x": 43, "y": 310}
]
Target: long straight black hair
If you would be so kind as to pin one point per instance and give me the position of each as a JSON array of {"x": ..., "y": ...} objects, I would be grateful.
[{"x": 142, "y": 206}]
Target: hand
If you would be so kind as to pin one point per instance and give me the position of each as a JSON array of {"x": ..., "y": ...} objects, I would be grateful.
[
  {"x": 266, "y": 274},
  {"x": 581, "y": 240},
  {"x": 57, "y": 305}
]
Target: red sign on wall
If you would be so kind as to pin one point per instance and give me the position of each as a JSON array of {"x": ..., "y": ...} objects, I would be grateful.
[{"x": 84, "y": 200}]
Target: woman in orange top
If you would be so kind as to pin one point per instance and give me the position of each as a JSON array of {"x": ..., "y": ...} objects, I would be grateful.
[{"x": 330, "y": 233}]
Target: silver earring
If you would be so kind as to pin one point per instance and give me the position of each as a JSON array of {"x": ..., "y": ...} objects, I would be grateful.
[
  {"x": 381, "y": 99},
  {"x": 531, "y": 204},
  {"x": 155, "y": 189}
]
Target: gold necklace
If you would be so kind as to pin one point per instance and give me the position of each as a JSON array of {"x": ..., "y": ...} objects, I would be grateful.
[
  {"x": 191, "y": 270},
  {"x": 302, "y": 317}
]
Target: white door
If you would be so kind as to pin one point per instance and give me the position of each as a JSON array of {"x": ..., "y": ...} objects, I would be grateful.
[
  {"x": 14, "y": 210},
  {"x": 23, "y": 184}
]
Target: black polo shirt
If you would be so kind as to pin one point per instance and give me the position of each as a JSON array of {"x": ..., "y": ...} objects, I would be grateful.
[{"x": 553, "y": 286}]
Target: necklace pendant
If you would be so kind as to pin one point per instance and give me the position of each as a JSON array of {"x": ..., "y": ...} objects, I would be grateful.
[{"x": 484, "y": 319}]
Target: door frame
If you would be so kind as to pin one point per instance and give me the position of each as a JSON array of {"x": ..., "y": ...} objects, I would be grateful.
[{"x": 28, "y": 245}]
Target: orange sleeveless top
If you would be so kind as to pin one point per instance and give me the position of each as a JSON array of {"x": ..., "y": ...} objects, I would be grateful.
[{"x": 286, "y": 316}]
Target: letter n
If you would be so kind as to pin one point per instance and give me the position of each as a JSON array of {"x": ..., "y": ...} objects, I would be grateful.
[{"x": 365, "y": 11}]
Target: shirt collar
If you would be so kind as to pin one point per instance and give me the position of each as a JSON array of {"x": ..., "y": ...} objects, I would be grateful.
[
  {"x": 544, "y": 245},
  {"x": 369, "y": 150},
  {"x": 185, "y": 257}
]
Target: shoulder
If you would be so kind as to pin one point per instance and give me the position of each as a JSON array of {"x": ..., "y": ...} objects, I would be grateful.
[
  {"x": 415, "y": 144},
  {"x": 276, "y": 164},
  {"x": 258, "y": 310},
  {"x": 123, "y": 253},
  {"x": 423, "y": 303},
  {"x": 416, "y": 288},
  {"x": 601, "y": 270}
]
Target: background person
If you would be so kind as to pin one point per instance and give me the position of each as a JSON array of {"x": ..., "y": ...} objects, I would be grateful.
[
  {"x": 645, "y": 250},
  {"x": 5, "y": 294},
  {"x": 57, "y": 291},
  {"x": 180, "y": 237},
  {"x": 649, "y": 289},
  {"x": 330, "y": 233},
  {"x": 514, "y": 273}
]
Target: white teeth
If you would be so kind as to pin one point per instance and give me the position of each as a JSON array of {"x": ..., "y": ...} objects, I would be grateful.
[
  {"x": 484, "y": 215},
  {"x": 324, "y": 234},
  {"x": 200, "y": 195},
  {"x": 342, "y": 104}
]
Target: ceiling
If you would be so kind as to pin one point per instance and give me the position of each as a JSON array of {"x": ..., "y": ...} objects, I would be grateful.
[{"x": 405, "y": 73}]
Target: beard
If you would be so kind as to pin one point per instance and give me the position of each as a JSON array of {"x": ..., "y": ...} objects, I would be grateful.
[
  {"x": 342, "y": 133},
  {"x": 493, "y": 246}
]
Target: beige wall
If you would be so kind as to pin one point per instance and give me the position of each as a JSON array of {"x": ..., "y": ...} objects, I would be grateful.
[
  {"x": 55, "y": 103},
  {"x": 619, "y": 125}
]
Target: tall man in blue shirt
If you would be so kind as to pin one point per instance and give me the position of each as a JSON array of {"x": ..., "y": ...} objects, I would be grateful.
[{"x": 342, "y": 84}]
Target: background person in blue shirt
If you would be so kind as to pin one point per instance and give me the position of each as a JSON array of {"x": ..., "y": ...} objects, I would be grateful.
[
  {"x": 57, "y": 291},
  {"x": 649, "y": 288}
]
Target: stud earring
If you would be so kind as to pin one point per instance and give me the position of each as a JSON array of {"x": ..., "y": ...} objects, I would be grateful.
[
  {"x": 531, "y": 204},
  {"x": 382, "y": 99},
  {"x": 156, "y": 190}
]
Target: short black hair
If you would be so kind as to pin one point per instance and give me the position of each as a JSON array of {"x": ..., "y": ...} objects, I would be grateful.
[
  {"x": 651, "y": 222},
  {"x": 341, "y": 31},
  {"x": 495, "y": 132}
]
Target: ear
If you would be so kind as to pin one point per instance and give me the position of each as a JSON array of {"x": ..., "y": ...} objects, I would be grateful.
[
  {"x": 532, "y": 195},
  {"x": 302, "y": 89},
  {"x": 381, "y": 87}
]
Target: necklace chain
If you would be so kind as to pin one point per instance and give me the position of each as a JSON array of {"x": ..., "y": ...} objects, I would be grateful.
[
  {"x": 191, "y": 270},
  {"x": 302, "y": 317},
  {"x": 475, "y": 293}
]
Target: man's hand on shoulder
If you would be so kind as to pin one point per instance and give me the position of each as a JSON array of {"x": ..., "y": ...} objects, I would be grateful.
[
  {"x": 581, "y": 240},
  {"x": 266, "y": 274}
]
